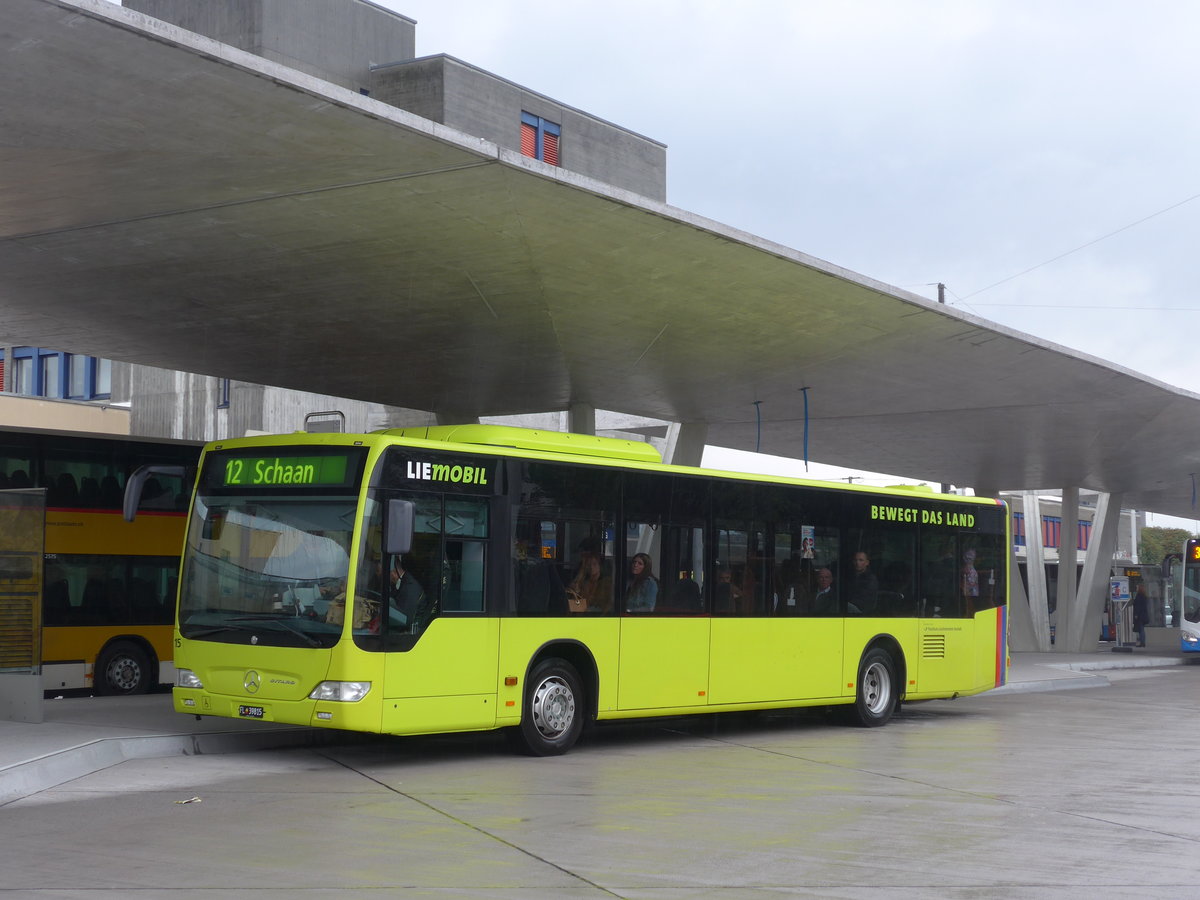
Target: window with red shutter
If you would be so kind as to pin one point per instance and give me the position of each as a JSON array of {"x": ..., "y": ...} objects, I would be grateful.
[
  {"x": 528, "y": 140},
  {"x": 539, "y": 138}
]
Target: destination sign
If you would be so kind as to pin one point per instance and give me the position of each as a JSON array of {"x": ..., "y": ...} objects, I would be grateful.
[{"x": 284, "y": 471}]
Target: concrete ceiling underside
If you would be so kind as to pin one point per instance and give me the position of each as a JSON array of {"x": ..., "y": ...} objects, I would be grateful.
[{"x": 174, "y": 202}]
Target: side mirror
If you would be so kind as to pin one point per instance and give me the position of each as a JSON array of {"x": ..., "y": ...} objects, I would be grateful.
[
  {"x": 401, "y": 516},
  {"x": 137, "y": 482}
]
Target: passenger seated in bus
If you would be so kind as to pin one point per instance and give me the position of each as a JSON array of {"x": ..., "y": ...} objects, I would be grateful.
[
  {"x": 863, "y": 593},
  {"x": 406, "y": 597},
  {"x": 795, "y": 587},
  {"x": 590, "y": 590},
  {"x": 727, "y": 597},
  {"x": 332, "y": 591},
  {"x": 685, "y": 595},
  {"x": 641, "y": 592},
  {"x": 824, "y": 602}
]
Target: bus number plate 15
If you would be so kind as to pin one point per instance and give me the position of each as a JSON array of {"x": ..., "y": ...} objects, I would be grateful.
[{"x": 251, "y": 712}]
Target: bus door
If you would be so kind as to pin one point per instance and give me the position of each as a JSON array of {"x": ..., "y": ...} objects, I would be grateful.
[
  {"x": 946, "y": 628},
  {"x": 441, "y": 646},
  {"x": 664, "y": 652}
]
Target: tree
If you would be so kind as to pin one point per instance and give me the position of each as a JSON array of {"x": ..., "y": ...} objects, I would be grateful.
[{"x": 1155, "y": 543}]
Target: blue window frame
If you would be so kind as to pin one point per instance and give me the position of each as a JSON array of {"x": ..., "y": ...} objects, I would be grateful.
[
  {"x": 38, "y": 372},
  {"x": 539, "y": 138}
]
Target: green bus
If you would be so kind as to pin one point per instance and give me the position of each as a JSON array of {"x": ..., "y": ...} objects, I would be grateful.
[{"x": 463, "y": 578}]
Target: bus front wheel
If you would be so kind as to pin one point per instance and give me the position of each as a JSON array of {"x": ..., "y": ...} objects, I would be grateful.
[
  {"x": 877, "y": 695},
  {"x": 553, "y": 715},
  {"x": 122, "y": 668}
]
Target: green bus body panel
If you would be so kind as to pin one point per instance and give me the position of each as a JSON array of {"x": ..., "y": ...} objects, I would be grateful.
[
  {"x": 502, "y": 436},
  {"x": 469, "y": 672},
  {"x": 454, "y": 678}
]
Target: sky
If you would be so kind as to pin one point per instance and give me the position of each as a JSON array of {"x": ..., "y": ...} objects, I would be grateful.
[{"x": 1034, "y": 156}]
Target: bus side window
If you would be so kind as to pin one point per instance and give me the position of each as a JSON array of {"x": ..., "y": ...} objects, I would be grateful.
[{"x": 940, "y": 596}]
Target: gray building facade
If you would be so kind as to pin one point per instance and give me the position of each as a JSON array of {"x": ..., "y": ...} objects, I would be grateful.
[
  {"x": 336, "y": 40},
  {"x": 468, "y": 99}
]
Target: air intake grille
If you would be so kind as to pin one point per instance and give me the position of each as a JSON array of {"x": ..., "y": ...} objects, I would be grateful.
[{"x": 933, "y": 646}]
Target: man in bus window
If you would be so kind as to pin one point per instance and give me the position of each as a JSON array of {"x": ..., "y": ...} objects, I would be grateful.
[
  {"x": 406, "y": 595},
  {"x": 825, "y": 603},
  {"x": 864, "y": 587}
]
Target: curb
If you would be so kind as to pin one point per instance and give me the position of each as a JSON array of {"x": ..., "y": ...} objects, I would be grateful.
[{"x": 41, "y": 773}]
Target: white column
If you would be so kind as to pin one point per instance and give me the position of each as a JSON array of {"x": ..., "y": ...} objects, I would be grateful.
[
  {"x": 1093, "y": 583},
  {"x": 685, "y": 443},
  {"x": 1035, "y": 568},
  {"x": 1068, "y": 561}
]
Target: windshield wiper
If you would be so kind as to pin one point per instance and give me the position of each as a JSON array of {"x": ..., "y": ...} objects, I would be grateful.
[{"x": 280, "y": 620}]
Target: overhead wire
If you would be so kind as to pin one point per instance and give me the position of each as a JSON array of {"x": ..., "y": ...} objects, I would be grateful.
[{"x": 1090, "y": 243}]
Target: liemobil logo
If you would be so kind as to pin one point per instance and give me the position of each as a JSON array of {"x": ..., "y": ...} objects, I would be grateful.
[
  {"x": 252, "y": 682},
  {"x": 423, "y": 471}
]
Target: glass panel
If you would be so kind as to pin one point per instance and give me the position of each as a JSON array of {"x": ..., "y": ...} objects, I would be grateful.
[
  {"x": 590, "y": 589},
  {"x": 109, "y": 590},
  {"x": 23, "y": 376},
  {"x": 16, "y": 462},
  {"x": 682, "y": 587},
  {"x": 51, "y": 375},
  {"x": 103, "y": 385},
  {"x": 939, "y": 576},
  {"x": 642, "y": 549},
  {"x": 271, "y": 567},
  {"x": 77, "y": 367},
  {"x": 539, "y": 587}
]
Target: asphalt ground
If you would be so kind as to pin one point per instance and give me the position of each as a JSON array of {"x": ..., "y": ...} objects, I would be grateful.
[{"x": 1036, "y": 789}]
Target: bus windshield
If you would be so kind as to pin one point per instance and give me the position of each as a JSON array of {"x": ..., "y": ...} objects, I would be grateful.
[{"x": 267, "y": 569}]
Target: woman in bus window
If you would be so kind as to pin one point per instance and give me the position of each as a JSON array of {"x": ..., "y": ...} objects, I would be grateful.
[
  {"x": 590, "y": 590},
  {"x": 641, "y": 593}
]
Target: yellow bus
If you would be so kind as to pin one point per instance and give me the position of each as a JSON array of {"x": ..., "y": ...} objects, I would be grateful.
[
  {"x": 463, "y": 578},
  {"x": 108, "y": 586}
]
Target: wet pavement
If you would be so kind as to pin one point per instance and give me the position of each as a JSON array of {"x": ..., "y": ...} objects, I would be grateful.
[{"x": 1040, "y": 789}]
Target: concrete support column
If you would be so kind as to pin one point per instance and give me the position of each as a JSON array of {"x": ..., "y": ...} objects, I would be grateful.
[
  {"x": 1068, "y": 560},
  {"x": 685, "y": 443},
  {"x": 581, "y": 418},
  {"x": 1020, "y": 622},
  {"x": 449, "y": 418},
  {"x": 1035, "y": 568},
  {"x": 21, "y": 697},
  {"x": 1093, "y": 583}
]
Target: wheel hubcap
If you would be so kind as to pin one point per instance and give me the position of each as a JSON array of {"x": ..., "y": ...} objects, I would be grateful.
[
  {"x": 876, "y": 688},
  {"x": 123, "y": 673},
  {"x": 553, "y": 707}
]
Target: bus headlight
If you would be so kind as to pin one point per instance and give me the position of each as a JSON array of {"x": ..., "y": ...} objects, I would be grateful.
[
  {"x": 1189, "y": 637},
  {"x": 186, "y": 678},
  {"x": 341, "y": 691}
]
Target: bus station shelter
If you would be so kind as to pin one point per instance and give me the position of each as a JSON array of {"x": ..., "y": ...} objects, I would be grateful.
[{"x": 176, "y": 202}]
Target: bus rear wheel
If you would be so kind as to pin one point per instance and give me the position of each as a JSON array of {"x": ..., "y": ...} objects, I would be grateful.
[
  {"x": 552, "y": 719},
  {"x": 122, "y": 668},
  {"x": 877, "y": 696}
]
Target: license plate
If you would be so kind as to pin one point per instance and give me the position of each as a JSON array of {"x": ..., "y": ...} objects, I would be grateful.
[{"x": 251, "y": 712}]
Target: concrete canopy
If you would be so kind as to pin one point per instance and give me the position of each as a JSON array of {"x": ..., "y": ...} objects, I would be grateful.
[{"x": 171, "y": 201}]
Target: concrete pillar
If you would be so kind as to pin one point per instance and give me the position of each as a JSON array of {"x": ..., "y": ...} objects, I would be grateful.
[
  {"x": 685, "y": 443},
  {"x": 1035, "y": 567},
  {"x": 21, "y": 697},
  {"x": 449, "y": 418},
  {"x": 581, "y": 418},
  {"x": 1068, "y": 559},
  {"x": 1020, "y": 623},
  {"x": 1093, "y": 583}
]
